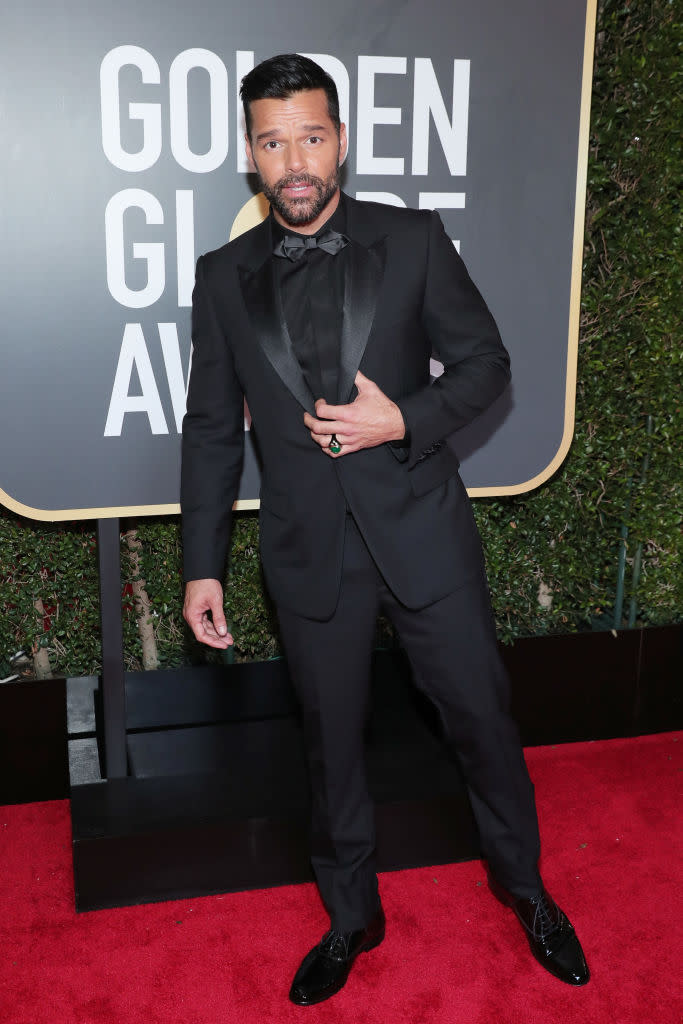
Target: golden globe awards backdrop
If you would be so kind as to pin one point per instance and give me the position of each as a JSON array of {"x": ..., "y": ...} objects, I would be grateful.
[{"x": 123, "y": 160}]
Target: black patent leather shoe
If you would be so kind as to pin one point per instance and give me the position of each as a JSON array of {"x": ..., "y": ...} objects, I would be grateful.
[
  {"x": 325, "y": 969},
  {"x": 551, "y": 935}
]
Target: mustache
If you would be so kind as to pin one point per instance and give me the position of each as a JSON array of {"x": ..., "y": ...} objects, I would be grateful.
[{"x": 299, "y": 179}]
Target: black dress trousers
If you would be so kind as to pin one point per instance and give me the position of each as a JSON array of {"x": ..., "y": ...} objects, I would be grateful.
[{"x": 451, "y": 645}]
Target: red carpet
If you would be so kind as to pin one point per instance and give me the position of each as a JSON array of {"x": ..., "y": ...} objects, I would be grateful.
[{"x": 611, "y": 830}]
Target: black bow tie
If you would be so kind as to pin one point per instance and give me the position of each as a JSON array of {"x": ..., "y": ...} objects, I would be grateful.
[{"x": 293, "y": 247}]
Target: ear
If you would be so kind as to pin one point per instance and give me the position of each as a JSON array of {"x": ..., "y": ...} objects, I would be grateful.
[
  {"x": 250, "y": 155},
  {"x": 343, "y": 144}
]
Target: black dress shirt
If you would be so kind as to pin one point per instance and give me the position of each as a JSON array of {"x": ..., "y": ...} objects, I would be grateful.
[{"x": 312, "y": 293}]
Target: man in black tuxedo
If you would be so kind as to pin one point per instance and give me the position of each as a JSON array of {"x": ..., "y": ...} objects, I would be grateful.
[{"x": 324, "y": 317}]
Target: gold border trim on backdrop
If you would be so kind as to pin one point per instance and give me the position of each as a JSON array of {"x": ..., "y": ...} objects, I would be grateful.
[
  {"x": 253, "y": 211},
  {"x": 112, "y": 512}
]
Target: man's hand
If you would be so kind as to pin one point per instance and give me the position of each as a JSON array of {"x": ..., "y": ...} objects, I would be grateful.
[
  {"x": 202, "y": 597},
  {"x": 371, "y": 419}
]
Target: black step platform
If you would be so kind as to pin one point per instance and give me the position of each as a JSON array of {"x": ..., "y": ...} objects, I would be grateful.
[
  {"x": 217, "y": 795},
  {"x": 216, "y": 798}
]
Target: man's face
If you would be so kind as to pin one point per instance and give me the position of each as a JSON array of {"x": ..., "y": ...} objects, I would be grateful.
[{"x": 296, "y": 151}]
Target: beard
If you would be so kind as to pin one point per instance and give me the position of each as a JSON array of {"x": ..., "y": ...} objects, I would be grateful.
[{"x": 299, "y": 212}]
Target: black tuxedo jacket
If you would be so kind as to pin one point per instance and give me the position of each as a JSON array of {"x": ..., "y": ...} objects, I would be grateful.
[{"x": 406, "y": 293}]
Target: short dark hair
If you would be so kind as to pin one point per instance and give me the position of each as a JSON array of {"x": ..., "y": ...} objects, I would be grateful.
[{"x": 280, "y": 77}]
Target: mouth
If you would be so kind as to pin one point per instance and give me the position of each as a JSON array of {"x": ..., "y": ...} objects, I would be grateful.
[{"x": 297, "y": 189}]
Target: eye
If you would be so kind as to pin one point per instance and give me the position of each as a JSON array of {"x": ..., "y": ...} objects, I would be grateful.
[
  {"x": 314, "y": 138},
  {"x": 271, "y": 144}
]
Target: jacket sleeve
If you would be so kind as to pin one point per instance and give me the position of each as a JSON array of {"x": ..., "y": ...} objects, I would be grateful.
[
  {"x": 212, "y": 442},
  {"x": 464, "y": 335}
]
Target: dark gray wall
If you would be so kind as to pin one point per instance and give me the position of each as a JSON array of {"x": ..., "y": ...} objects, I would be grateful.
[{"x": 66, "y": 298}]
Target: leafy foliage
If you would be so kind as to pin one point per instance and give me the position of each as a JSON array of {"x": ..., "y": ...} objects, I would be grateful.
[
  {"x": 567, "y": 534},
  {"x": 56, "y": 564},
  {"x": 552, "y": 554}
]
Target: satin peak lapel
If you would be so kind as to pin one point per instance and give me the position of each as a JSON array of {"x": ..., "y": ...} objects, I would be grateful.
[
  {"x": 363, "y": 279},
  {"x": 263, "y": 303}
]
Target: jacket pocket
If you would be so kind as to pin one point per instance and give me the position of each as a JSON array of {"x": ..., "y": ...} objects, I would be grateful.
[{"x": 275, "y": 502}]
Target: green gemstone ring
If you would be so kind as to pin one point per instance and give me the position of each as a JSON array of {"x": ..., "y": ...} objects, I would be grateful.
[{"x": 335, "y": 447}]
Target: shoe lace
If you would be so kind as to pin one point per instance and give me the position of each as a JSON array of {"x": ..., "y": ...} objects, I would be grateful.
[
  {"x": 336, "y": 944},
  {"x": 547, "y": 917}
]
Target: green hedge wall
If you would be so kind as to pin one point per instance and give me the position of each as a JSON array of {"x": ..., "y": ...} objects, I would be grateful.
[{"x": 555, "y": 556}]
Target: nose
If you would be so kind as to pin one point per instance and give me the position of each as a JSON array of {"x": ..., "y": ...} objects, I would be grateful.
[{"x": 296, "y": 161}]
